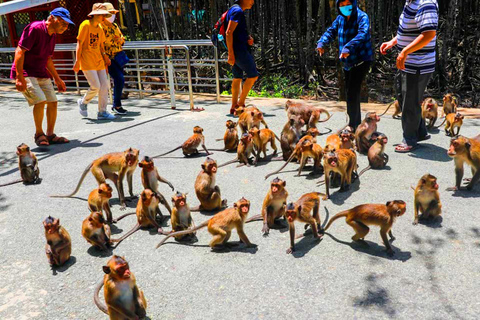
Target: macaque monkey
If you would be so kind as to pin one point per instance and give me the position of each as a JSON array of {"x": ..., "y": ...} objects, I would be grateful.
[
  {"x": 27, "y": 165},
  {"x": 454, "y": 120},
  {"x": 106, "y": 167},
  {"x": 59, "y": 245},
  {"x": 221, "y": 225},
  {"x": 249, "y": 119},
  {"x": 241, "y": 109},
  {"x": 190, "y": 146},
  {"x": 465, "y": 150},
  {"x": 342, "y": 139},
  {"x": 300, "y": 211},
  {"x": 397, "y": 111},
  {"x": 377, "y": 158},
  {"x": 309, "y": 114},
  {"x": 260, "y": 140},
  {"x": 450, "y": 104},
  {"x": 347, "y": 139},
  {"x": 96, "y": 231},
  {"x": 207, "y": 192},
  {"x": 273, "y": 206},
  {"x": 181, "y": 219},
  {"x": 150, "y": 179},
  {"x": 124, "y": 299},
  {"x": 98, "y": 200},
  {"x": 427, "y": 198},
  {"x": 291, "y": 133},
  {"x": 430, "y": 112},
  {"x": 244, "y": 150},
  {"x": 365, "y": 130},
  {"x": 230, "y": 138},
  {"x": 314, "y": 151},
  {"x": 343, "y": 162},
  {"x": 382, "y": 215}
]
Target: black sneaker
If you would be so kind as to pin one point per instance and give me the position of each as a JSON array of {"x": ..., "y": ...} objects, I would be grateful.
[{"x": 119, "y": 110}]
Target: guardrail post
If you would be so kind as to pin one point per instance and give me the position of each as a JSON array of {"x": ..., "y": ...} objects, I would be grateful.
[
  {"x": 217, "y": 74},
  {"x": 76, "y": 74},
  {"x": 139, "y": 77},
  {"x": 171, "y": 75},
  {"x": 189, "y": 75}
]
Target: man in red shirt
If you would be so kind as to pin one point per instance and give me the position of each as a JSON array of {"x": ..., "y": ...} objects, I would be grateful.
[{"x": 33, "y": 67}]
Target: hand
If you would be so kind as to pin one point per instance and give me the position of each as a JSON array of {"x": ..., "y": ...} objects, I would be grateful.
[
  {"x": 402, "y": 56},
  {"x": 250, "y": 41},
  {"x": 21, "y": 84},
  {"x": 76, "y": 66},
  {"x": 386, "y": 46},
  {"x": 321, "y": 51},
  {"x": 107, "y": 61},
  {"x": 60, "y": 85},
  {"x": 231, "y": 59},
  {"x": 344, "y": 55}
]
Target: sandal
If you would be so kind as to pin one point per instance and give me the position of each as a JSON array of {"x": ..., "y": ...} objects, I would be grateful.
[
  {"x": 232, "y": 110},
  {"x": 404, "y": 148},
  {"x": 54, "y": 139},
  {"x": 41, "y": 140}
]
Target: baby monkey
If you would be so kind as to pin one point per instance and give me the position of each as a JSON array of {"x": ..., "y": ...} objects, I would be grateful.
[
  {"x": 96, "y": 231},
  {"x": 27, "y": 165},
  {"x": 98, "y": 200},
  {"x": 181, "y": 218},
  {"x": 427, "y": 198},
  {"x": 59, "y": 245},
  {"x": 190, "y": 146}
]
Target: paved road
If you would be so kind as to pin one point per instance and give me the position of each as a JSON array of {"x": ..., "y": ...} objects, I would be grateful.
[{"x": 434, "y": 274}]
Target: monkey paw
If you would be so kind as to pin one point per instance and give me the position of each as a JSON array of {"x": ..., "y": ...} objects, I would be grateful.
[{"x": 415, "y": 222}]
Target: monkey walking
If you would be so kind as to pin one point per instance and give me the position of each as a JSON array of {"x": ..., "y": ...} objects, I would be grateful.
[
  {"x": 450, "y": 104},
  {"x": 59, "y": 244},
  {"x": 27, "y": 165},
  {"x": 244, "y": 150},
  {"x": 123, "y": 297},
  {"x": 427, "y": 199},
  {"x": 397, "y": 111},
  {"x": 106, "y": 167},
  {"x": 309, "y": 114},
  {"x": 260, "y": 140},
  {"x": 377, "y": 158},
  {"x": 220, "y": 226},
  {"x": 96, "y": 231},
  {"x": 382, "y": 215},
  {"x": 364, "y": 132},
  {"x": 190, "y": 146},
  {"x": 430, "y": 112},
  {"x": 249, "y": 117},
  {"x": 465, "y": 150},
  {"x": 314, "y": 151},
  {"x": 208, "y": 193}
]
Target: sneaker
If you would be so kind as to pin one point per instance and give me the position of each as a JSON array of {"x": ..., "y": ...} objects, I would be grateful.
[
  {"x": 119, "y": 110},
  {"x": 82, "y": 108},
  {"x": 105, "y": 116}
]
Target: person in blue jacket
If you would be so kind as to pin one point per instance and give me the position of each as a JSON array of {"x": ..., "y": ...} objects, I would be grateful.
[{"x": 352, "y": 27}]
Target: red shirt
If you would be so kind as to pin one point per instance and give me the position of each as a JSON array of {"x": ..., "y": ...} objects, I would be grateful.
[{"x": 39, "y": 46}]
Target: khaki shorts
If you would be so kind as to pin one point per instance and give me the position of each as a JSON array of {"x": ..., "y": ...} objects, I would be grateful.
[{"x": 39, "y": 90}]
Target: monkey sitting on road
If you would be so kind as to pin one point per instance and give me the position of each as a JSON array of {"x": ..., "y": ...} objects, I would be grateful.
[
  {"x": 96, "y": 231},
  {"x": 343, "y": 162},
  {"x": 465, "y": 150},
  {"x": 364, "y": 132},
  {"x": 230, "y": 138},
  {"x": 59, "y": 244},
  {"x": 291, "y": 133},
  {"x": 377, "y": 158},
  {"x": 181, "y": 218},
  {"x": 208, "y": 193},
  {"x": 427, "y": 199},
  {"x": 27, "y": 165}
]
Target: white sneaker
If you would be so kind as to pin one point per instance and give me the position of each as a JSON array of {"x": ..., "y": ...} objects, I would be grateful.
[
  {"x": 105, "y": 116},
  {"x": 82, "y": 108}
]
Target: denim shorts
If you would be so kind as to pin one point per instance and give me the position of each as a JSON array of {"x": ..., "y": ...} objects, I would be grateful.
[{"x": 244, "y": 62}]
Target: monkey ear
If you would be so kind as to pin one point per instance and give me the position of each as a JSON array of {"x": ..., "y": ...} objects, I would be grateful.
[
  {"x": 28, "y": 149},
  {"x": 284, "y": 183},
  {"x": 106, "y": 269},
  {"x": 299, "y": 208},
  {"x": 203, "y": 167},
  {"x": 235, "y": 205},
  {"x": 388, "y": 203},
  {"x": 423, "y": 181}
]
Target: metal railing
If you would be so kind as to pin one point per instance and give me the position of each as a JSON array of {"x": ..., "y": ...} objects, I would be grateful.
[{"x": 145, "y": 71}]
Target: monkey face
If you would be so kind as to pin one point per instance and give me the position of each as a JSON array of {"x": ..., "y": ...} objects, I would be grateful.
[
  {"x": 52, "y": 225},
  {"x": 131, "y": 156},
  {"x": 197, "y": 129},
  {"x": 291, "y": 212},
  {"x": 277, "y": 185},
  {"x": 117, "y": 268},
  {"x": 179, "y": 200},
  {"x": 346, "y": 136},
  {"x": 382, "y": 139},
  {"x": 396, "y": 207},
  {"x": 243, "y": 205},
  {"x": 209, "y": 165},
  {"x": 372, "y": 117},
  {"x": 257, "y": 115},
  {"x": 331, "y": 158},
  {"x": 429, "y": 182},
  {"x": 146, "y": 163},
  {"x": 22, "y": 149},
  {"x": 230, "y": 124},
  {"x": 447, "y": 98},
  {"x": 150, "y": 198},
  {"x": 458, "y": 146}
]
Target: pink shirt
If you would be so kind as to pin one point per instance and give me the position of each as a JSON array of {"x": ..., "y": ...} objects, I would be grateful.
[{"x": 39, "y": 46}]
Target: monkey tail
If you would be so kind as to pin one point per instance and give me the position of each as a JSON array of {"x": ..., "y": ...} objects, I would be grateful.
[
  {"x": 181, "y": 233},
  {"x": 126, "y": 235},
  {"x": 257, "y": 217},
  {"x": 387, "y": 108},
  {"x": 227, "y": 163},
  {"x": 276, "y": 137},
  {"x": 323, "y": 133},
  {"x": 323, "y": 195},
  {"x": 335, "y": 217},
  {"x": 221, "y": 139},
  {"x": 441, "y": 124},
  {"x": 164, "y": 154},
  {"x": 96, "y": 299},
  {"x": 10, "y": 183},
  {"x": 84, "y": 174},
  {"x": 364, "y": 170},
  {"x": 284, "y": 165},
  {"x": 327, "y": 113}
]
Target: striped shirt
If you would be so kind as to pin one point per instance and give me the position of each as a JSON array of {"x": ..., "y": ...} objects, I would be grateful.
[{"x": 417, "y": 17}]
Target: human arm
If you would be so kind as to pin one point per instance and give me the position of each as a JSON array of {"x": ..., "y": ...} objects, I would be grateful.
[
  {"x": 421, "y": 41},
  {"x": 106, "y": 59},
  {"x": 232, "y": 25},
  {"x": 20, "y": 82},
  {"x": 78, "y": 54},
  {"x": 328, "y": 36},
  {"x": 388, "y": 45},
  {"x": 59, "y": 82}
]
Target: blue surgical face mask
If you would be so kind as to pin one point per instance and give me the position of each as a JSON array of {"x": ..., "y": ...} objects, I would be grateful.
[{"x": 346, "y": 10}]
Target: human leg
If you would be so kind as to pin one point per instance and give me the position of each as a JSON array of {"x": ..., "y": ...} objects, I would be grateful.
[
  {"x": 244, "y": 60},
  {"x": 116, "y": 73},
  {"x": 353, "y": 85},
  {"x": 236, "y": 86},
  {"x": 103, "y": 114}
]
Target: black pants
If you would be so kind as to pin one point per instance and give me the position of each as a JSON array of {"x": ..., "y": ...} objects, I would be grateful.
[{"x": 353, "y": 85}]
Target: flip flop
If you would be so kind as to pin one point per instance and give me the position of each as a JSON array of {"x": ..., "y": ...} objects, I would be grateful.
[
  {"x": 404, "y": 148},
  {"x": 54, "y": 139},
  {"x": 41, "y": 140}
]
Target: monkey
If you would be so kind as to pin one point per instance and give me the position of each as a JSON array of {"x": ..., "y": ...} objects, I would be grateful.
[
  {"x": 273, "y": 206},
  {"x": 365, "y": 131},
  {"x": 98, "y": 200},
  {"x": 230, "y": 138},
  {"x": 427, "y": 199},
  {"x": 314, "y": 151},
  {"x": 309, "y": 114},
  {"x": 207, "y": 192},
  {"x": 241, "y": 109},
  {"x": 454, "y": 120},
  {"x": 181, "y": 219},
  {"x": 450, "y": 104},
  {"x": 221, "y": 225},
  {"x": 146, "y": 212},
  {"x": 27, "y": 165},
  {"x": 244, "y": 150},
  {"x": 343, "y": 162},
  {"x": 190, "y": 146},
  {"x": 377, "y": 158},
  {"x": 300, "y": 210},
  {"x": 291, "y": 134},
  {"x": 397, "y": 111},
  {"x": 430, "y": 112},
  {"x": 123, "y": 297},
  {"x": 382, "y": 215},
  {"x": 311, "y": 135},
  {"x": 150, "y": 179},
  {"x": 59, "y": 244},
  {"x": 465, "y": 150},
  {"x": 347, "y": 139},
  {"x": 249, "y": 119},
  {"x": 260, "y": 140},
  {"x": 96, "y": 231},
  {"x": 106, "y": 167},
  {"x": 342, "y": 139}
]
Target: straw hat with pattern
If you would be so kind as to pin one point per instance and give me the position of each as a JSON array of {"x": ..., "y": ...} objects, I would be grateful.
[{"x": 99, "y": 8}]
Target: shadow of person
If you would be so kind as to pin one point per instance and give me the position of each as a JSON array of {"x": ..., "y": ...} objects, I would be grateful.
[
  {"x": 65, "y": 266},
  {"x": 96, "y": 252},
  {"x": 117, "y": 119},
  {"x": 428, "y": 151}
]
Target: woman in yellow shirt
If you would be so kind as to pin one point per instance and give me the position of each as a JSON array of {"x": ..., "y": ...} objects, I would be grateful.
[
  {"x": 93, "y": 61},
  {"x": 113, "y": 46}
]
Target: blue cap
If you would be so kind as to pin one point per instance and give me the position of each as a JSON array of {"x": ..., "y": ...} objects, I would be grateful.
[{"x": 62, "y": 13}]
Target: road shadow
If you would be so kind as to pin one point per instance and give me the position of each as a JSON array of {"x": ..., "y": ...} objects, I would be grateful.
[
  {"x": 433, "y": 223},
  {"x": 3, "y": 203},
  {"x": 65, "y": 266},
  {"x": 96, "y": 252},
  {"x": 304, "y": 246},
  {"x": 428, "y": 151},
  {"x": 338, "y": 197},
  {"x": 463, "y": 193},
  {"x": 375, "y": 295}
]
